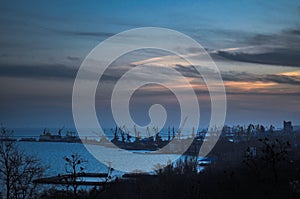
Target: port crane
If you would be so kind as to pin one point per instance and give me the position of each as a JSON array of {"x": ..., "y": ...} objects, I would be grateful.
[{"x": 181, "y": 127}]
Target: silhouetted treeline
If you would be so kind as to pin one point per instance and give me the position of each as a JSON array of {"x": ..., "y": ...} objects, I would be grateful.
[{"x": 270, "y": 171}]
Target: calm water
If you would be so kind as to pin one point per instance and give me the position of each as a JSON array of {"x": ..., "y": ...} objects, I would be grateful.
[{"x": 53, "y": 153}]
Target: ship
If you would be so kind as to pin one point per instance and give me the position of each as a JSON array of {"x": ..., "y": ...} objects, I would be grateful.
[{"x": 70, "y": 136}]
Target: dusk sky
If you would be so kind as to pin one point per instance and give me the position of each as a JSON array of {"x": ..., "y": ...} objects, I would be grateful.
[{"x": 255, "y": 44}]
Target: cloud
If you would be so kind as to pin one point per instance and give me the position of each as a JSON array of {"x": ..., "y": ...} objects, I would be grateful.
[
  {"x": 292, "y": 78},
  {"x": 71, "y": 58},
  {"x": 45, "y": 71},
  {"x": 89, "y": 34},
  {"x": 74, "y": 32},
  {"x": 282, "y": 57},
  {"x": 248, "y": 77},
  {"x": 294, "y": 31},
  {"x": 188, "y": 71},
  {"x": 282, "y": 48},
  {"x": 57, "y": 71}
]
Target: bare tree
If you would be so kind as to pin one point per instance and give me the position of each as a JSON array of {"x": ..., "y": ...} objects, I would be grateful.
[
  {"x": 73, "y": 165},
  {"x": 17, "y": 170},
  {"x": 273, "y": 154}
]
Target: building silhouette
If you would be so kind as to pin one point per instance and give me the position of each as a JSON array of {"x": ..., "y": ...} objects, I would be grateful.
[{"x": 287, "y": 126}]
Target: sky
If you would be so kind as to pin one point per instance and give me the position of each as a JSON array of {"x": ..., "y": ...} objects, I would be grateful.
[{"x": 255, "y": 44}]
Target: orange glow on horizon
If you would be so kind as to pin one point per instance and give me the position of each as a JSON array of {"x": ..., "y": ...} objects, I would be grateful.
[
  {"x": 291, "y": 73},
  {"x": 249, "y": 85}
]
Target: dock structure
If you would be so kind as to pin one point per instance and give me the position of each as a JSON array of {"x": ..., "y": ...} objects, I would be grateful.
[{"x": 68, "y": 179}]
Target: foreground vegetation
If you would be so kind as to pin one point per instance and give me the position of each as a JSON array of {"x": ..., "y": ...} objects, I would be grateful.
[
  {"x": 267, "y": 168},
  {"x": 17, "y": 169},
  {"x": 270, "y": 172}
]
